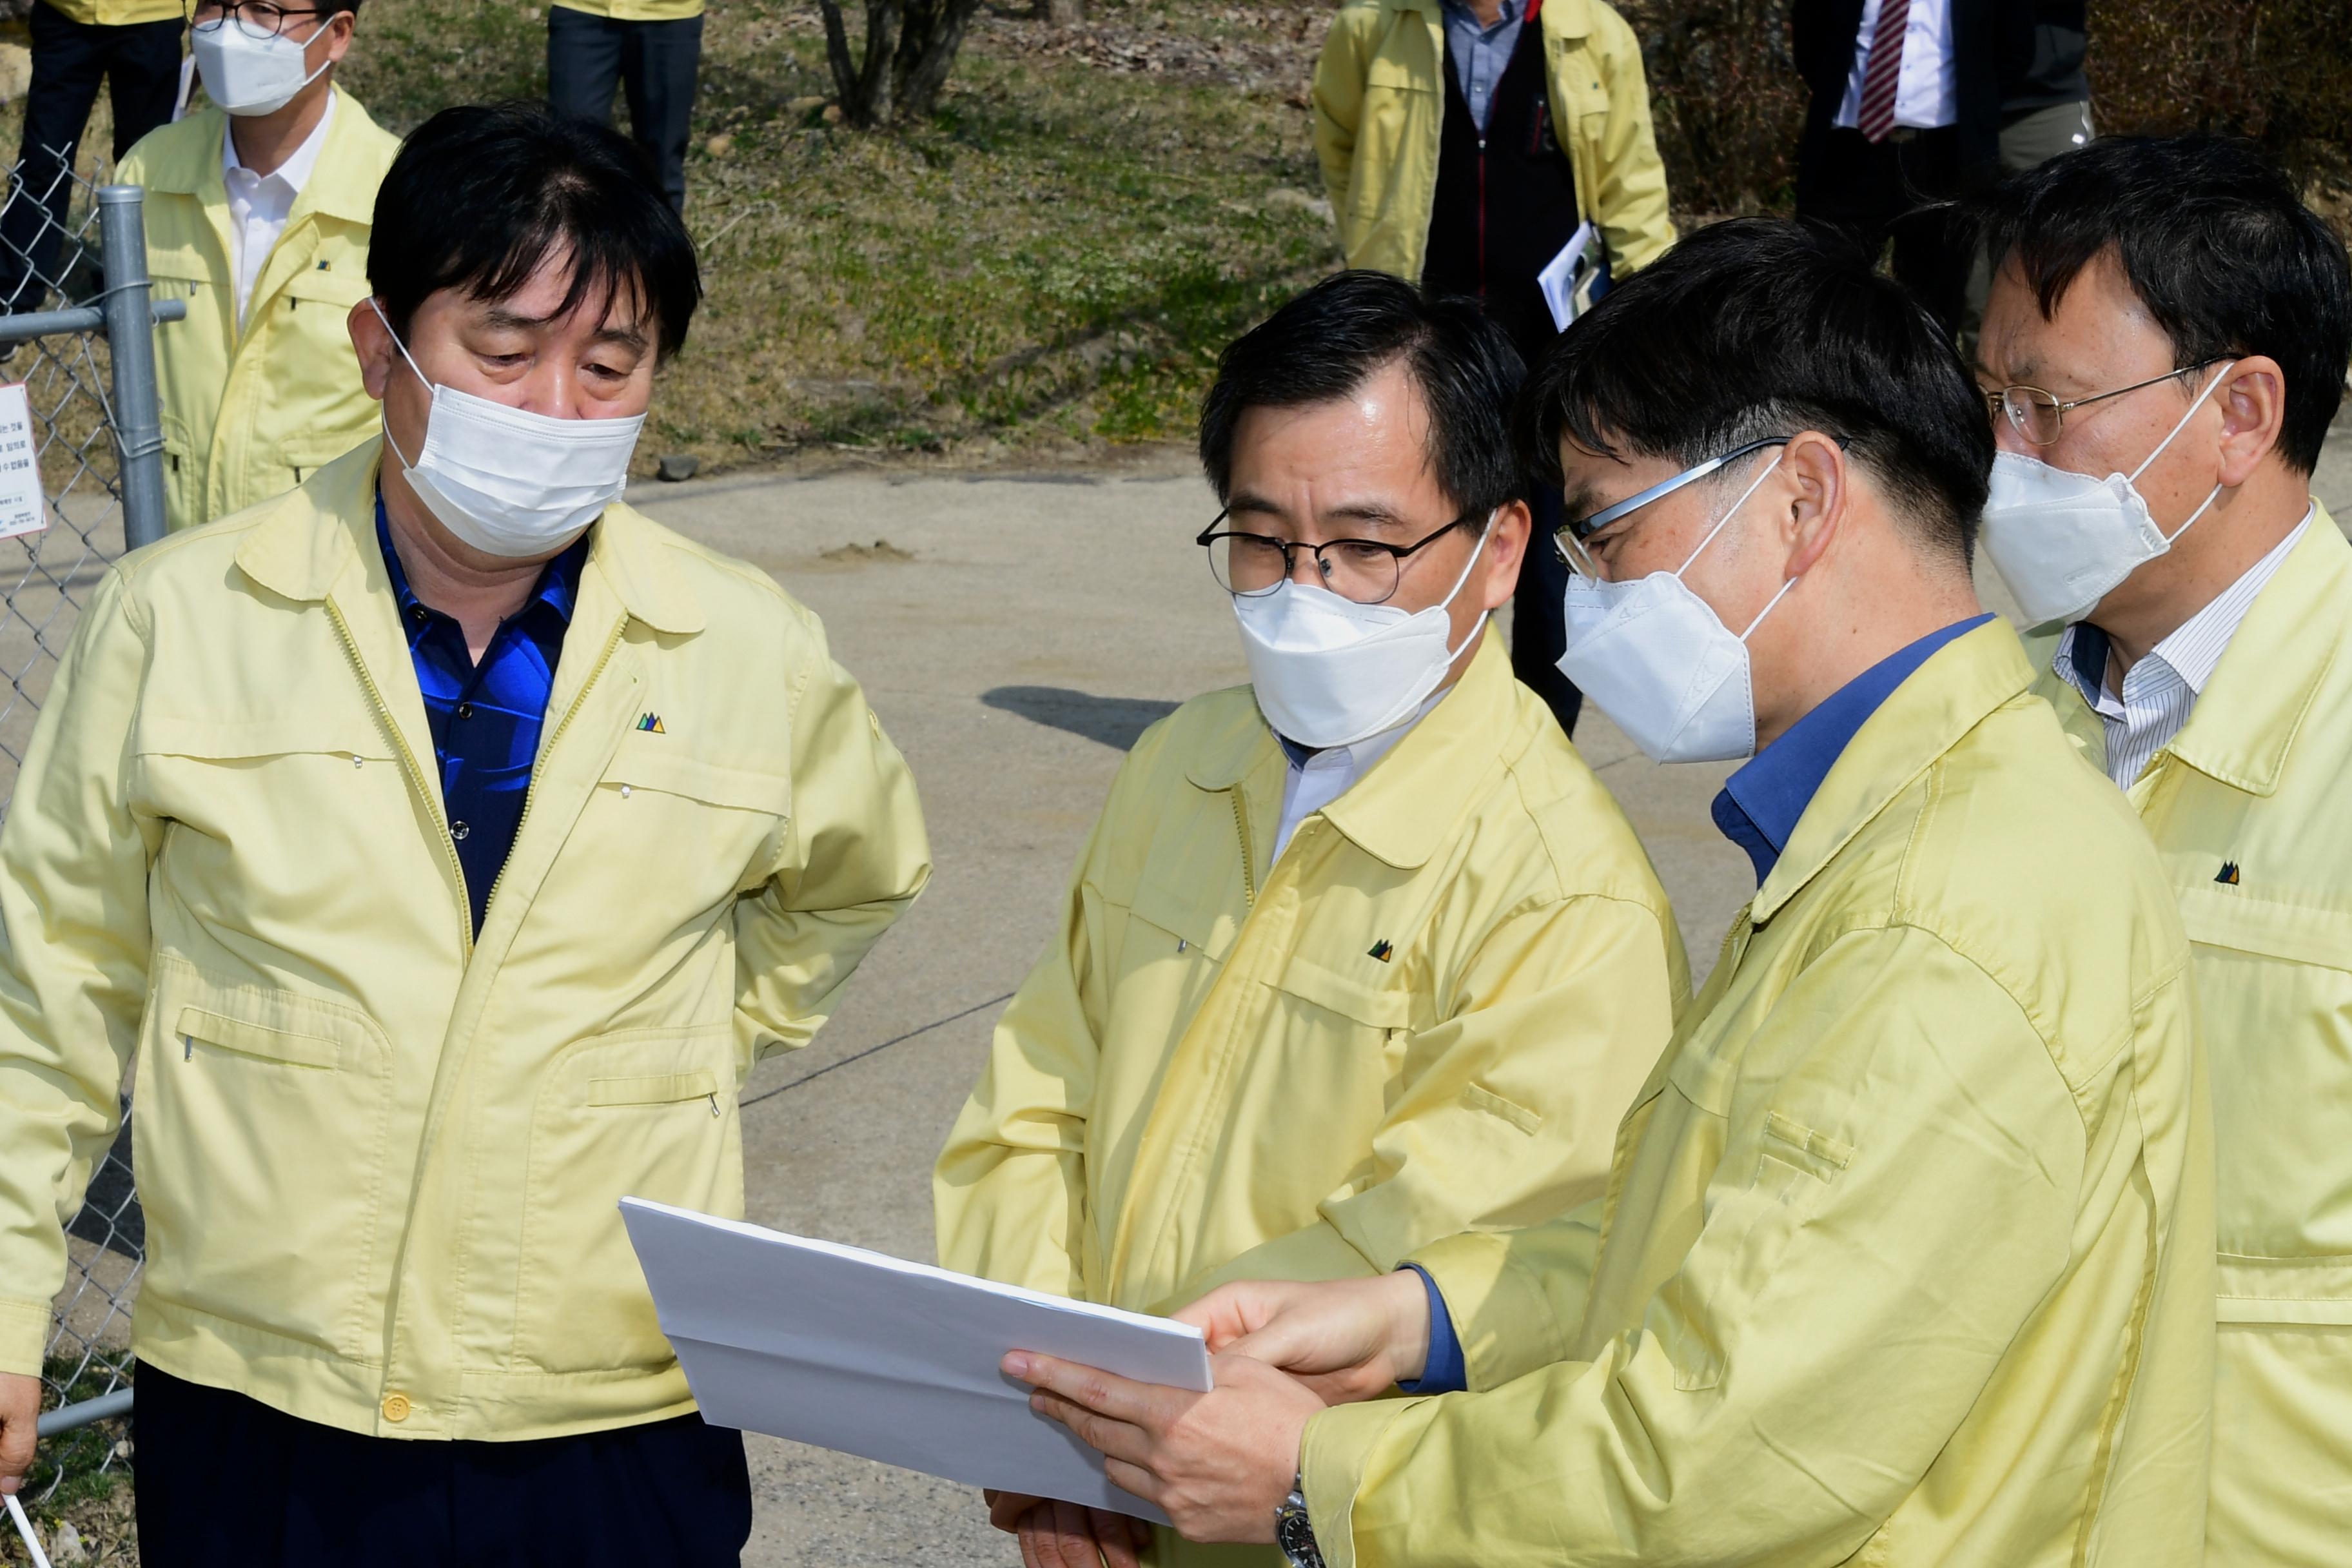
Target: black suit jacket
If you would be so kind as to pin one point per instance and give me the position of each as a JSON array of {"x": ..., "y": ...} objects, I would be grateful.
[{"x": 1992, "y": 54}]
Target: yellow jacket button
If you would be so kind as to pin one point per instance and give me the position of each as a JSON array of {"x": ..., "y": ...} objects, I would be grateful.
[{"x": 395, "y": 1407}]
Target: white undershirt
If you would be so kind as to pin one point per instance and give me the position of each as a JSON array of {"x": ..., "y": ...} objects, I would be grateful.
[
  {"x": 259, "y": 204},
  {"x": 1324, "y": 777},
  {"x": 1928, "y": 86}
]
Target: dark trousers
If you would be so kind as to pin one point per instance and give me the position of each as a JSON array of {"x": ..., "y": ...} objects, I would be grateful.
[
  {"x": 140, "y": 66},
  {"x": 1538, "y": 629},
  {"x": 654, "y": 63},
  {"x": 1893, "y": 190},
  {"x": 224, "y": 1481}
]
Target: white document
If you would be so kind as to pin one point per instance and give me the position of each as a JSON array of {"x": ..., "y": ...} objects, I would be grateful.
[
  {"x": 1566, "y": 279},
  {"x": 889, "y": 1360},
  {"x": 23, "y": 507}
]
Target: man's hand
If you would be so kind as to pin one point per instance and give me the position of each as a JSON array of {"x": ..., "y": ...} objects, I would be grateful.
[
  {"x": 1347, "y": 1339},
  {"x": 20, "y": 1414},
  {"x": 1219, "y": 1463},
  {"x": 1065, "y": 1534}
]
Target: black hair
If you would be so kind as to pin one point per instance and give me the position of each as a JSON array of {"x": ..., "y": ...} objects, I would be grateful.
[
  {"x": 1759, "y": 327},
  {"x": 330, "y": 9},
  {"x": 2213, "y": 240},
  {"x": 481, "y": 195},
  {"x": 1328, "y": 340}
]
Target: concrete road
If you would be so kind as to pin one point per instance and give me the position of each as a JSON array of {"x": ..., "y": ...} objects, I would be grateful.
[{"x": 1015, "y": 634}]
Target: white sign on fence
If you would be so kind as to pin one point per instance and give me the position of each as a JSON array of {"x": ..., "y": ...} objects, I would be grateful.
[{"x": 23, "y": 507}]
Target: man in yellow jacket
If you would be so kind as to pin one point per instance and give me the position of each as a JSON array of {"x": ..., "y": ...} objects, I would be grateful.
[
  {"x": 2170, "y": 313},
  {"x": 442, "y": 843},
  {"x": 257, "y": 216},
  {"x": 1469, "y": 144},
  {"x": 1903, "y": 1256},
  {"x": 1359, "y": 956}
]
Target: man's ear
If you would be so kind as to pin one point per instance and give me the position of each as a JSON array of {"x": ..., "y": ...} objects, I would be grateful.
[
  {"x": 1815, "y": 483},
  {"x": 339, "y": 43},
  {"x": 1507, "y": 543},
  {"x": 371, "y": 341},
  {"x": 2253, "y": 401}
]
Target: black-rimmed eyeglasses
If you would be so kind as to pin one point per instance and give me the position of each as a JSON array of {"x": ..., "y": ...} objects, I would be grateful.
[
  {"x": 1367, "y": 571},
  {"x": 255, "y": 18}
]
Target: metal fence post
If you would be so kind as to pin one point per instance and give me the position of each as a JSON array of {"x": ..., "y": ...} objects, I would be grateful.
[{"x": 130, "y": 341}]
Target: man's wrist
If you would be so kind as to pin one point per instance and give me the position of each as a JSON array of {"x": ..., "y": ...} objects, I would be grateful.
[
  {"x": 1408, "y": 1336},
  {"x": 1294, "y": 1533}
]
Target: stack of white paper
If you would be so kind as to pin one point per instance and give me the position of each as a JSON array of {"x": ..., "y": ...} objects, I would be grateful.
[{"x": 889, "y": 1360}]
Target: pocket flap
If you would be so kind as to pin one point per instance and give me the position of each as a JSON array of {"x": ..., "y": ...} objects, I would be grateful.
[
  {"x": 328, "y": 285},
  {"x": 1386, "y": 74},
  {"x": 181, "y": 263},
  {"x": 227, "y": 740},
  {"x": 653, "y": 1088},
  {"x": 313, "y": 450},
  {"x": 2283, "y": 1289},
  {"x": 713, "y": 783},
  {"x": 251, "y": 1039},
  {"x": 2219, "y": 916},
  {"x": 1371, "y": 1004}
]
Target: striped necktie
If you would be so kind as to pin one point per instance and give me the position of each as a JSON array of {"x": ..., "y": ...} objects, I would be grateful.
[{"x": 1886, "y": 67}]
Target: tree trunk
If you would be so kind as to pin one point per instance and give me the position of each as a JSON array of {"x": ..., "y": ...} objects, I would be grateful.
[
  {"x": 927, "y": 51},
  {"x": 1064, "y": 13},
  {"x": 867, "y": 88}
]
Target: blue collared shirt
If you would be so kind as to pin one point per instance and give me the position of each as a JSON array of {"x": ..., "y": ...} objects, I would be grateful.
[
  {"x": 1760, "y": 805},
  {"x": 1480, "y": 53},
  {"x": 486, "y": 718},
  {"x": 1757, "y": 810}
]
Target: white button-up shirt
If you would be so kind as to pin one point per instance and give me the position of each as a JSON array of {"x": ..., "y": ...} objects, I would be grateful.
[
  {"x": 2160, "y": 690},
  {"x": 1928, "y": 86},
  {"x": 1318, "y": 778},
  {"x": 259, "y": 204}
]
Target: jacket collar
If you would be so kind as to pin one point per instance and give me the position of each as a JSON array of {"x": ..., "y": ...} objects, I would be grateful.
[
  {"x": 1921, "y": 720},
  {"x": 1560, "y": 18},
  {"x": 1410, "y": 803},
  {"x": 307, "y": 539},
  {"x": 343, "y": 184}
]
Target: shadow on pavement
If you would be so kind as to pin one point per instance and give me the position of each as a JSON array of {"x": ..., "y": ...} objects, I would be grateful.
[{"x": 1116, "y": 721}]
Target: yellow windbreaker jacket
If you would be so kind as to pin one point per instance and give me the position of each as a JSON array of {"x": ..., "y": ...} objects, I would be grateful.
[
  {"x": 1428, "y": 1016},
  {"x": 2247, "y": 806},
  {"x": 251, "y": 411},
  {"x": 1903, "y": 1256},
  {"x": 381, "y": 1155},
  {"x": 1379, "y": 112}
]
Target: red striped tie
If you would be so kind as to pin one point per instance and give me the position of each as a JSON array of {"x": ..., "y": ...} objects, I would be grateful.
[{"x": 1886, "y": 67}]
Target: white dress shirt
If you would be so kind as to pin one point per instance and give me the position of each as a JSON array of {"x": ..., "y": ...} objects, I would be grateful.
[
  {"x": 2161, "y": 689},
  {"x": 1927, "y": 88},
  {"x": 1318, "y": 778},
  {"x": 259, "y": 204}
]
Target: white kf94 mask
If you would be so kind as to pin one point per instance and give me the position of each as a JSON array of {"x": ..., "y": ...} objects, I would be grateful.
[
  {"x": 2062, "y": 541},
  {"x": 245, "y": 75},
  {"x": 1328, "y": 671},
  {"x": 1658, "y": 660},
  {"x": 507, "y": 481}
]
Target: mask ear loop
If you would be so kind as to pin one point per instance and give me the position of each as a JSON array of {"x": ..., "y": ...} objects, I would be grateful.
[
  {"x": 1753, "y": 487},
  {"x": 1486, "y": 531},
  {"x": 412, "y": 366},
  {"x": 2213, "y": 495}
]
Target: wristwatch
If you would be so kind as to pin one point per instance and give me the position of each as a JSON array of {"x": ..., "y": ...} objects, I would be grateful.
[{"x": 1294, "y": 1533}]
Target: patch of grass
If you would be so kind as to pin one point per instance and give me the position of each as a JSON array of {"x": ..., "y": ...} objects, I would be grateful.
[{"x": 1052, "y": 263}]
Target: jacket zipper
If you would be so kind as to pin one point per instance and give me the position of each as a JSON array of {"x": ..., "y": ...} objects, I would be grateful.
[
  {"x": 427, "y": 790},
  {"x": 530, "y": 791},
  {"x": 1249, "y": 867}
]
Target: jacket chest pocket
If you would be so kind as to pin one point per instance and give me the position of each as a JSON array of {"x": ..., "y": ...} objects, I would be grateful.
[
  {"x": 681, "y": 836},
  {"x": 1345, "y": 1040},
  {"x": 2274, "y": 989},
  {"x": 650, "y": 1114},
  {"x": 261, "y": 1145}
]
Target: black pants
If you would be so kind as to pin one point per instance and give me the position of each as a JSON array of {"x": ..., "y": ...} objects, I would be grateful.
[
  {"x": 1891, "y": 190},
  {"x": 140, "y": 66},
  {"x": 1539, "y": 631},
  {"x": 224, "y": 1482},
  {"x": 655, "y": 64}
]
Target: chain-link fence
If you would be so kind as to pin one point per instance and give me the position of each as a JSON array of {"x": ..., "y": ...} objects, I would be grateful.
[{"x": 76, "y": 335}]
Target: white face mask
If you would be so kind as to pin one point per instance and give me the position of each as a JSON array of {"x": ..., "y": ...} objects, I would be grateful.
[
  {"x": 1660, "y": 662},
  {"x": 510, "y": 482},
  {"x": 245, "y": 75},
  {"x": 2062, "y": 541},
  {"x": 1329, "y": 672}
]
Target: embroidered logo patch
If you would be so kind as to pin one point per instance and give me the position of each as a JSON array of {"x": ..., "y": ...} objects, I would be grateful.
[
  {"x": 1383, "y": 950},
  {"x": 651, "y": 725},
  {"x": 2229, "y": 873}
]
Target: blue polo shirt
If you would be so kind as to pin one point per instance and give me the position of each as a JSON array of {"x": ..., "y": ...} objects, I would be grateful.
[
  {"x": 486, "y": 718},
  {"x": 1757, "y": 809}
]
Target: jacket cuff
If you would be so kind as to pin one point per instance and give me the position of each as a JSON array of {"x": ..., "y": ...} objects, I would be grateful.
[
  {"x": 1332, "y": 1458},
  {"x": 23, "y": 1336},
  {"x": 1501, "y": 1314}
]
